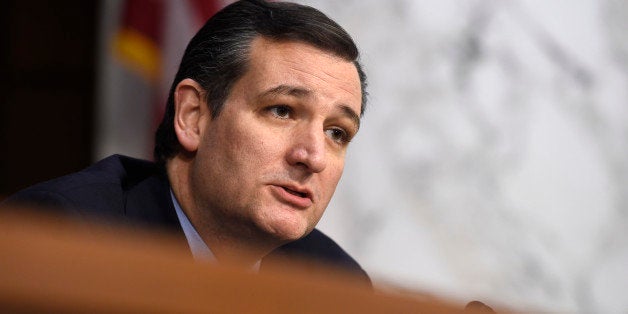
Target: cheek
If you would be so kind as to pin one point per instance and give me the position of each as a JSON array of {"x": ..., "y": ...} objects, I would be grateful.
[
  {"x": 261, "y": 145},
  {"x": 255, "y": 155},
  {"x": 247, "y": 151},
  {"x": 331, "y": 178}
]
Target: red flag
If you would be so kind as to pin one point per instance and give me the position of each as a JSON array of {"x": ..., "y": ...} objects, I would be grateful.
[
  {"x": 141, "y": 54},
  {"x": 138, "y": 41}
]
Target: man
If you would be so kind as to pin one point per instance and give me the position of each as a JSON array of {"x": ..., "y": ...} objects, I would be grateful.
[{"x": 252, "y": 144}]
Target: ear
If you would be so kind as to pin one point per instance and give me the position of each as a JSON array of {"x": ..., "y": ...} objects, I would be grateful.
[{"x": 190, "y": 112}]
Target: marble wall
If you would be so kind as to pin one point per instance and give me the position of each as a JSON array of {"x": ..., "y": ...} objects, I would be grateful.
[{"x": 492, "y": 162}]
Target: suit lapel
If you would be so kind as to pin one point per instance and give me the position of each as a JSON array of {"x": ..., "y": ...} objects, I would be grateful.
[{"x": 148, "y": 204}]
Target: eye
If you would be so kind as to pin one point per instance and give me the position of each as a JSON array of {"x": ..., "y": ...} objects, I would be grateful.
[
  {"x": 338, "y": 135},
  {"x": 280, "y": 111}
]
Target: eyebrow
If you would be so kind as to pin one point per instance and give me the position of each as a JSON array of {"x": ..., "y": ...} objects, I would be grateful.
[
  {"x": 288, "y": 90},
  {"x": 351, "y": 114},
  {"x": 300, "y": 92}
]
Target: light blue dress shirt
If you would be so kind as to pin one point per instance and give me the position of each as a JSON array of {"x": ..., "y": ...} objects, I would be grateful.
[{"x": 200, "y": 250}]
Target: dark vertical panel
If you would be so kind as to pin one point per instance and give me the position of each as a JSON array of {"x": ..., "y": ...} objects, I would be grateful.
[
  {"x": 47, "y": 73},
  {"x": 5, "y": 13}
]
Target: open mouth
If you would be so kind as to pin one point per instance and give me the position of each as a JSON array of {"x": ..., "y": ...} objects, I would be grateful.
[
  {"x": 299, "y": 194},
  {"x": 295, "y": 197}
]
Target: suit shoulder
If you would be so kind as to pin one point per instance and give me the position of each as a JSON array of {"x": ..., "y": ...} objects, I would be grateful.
[
  {"x": 320, "y": 248},
  {"x": 97, "y": 188},
  {"x": 323, "y": 247}
]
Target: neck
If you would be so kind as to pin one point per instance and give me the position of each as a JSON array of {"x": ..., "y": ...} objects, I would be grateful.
[{"x": 231, "y": 242}]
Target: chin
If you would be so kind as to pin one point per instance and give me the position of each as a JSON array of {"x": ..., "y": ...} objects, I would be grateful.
[
  {"x": 290, "y": 234},
  {"x": 287, "y": 230}
]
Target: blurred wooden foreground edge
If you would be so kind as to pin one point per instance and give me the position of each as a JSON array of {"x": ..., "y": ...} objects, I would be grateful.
[{"x": 53, "y": 265}]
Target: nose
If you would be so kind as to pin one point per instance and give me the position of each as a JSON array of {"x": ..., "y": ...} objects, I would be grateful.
[{"x": 308, "y": 150}]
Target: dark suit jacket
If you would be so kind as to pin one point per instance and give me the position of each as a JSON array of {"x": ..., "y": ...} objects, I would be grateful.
[{"x": 125, "y": 190}]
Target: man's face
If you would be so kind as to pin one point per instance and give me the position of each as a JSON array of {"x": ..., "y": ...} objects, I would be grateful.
[{"x": 270, "y": 162}]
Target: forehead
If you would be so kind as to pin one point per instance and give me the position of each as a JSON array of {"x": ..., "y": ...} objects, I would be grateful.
[{"x": 329, "y": 77}]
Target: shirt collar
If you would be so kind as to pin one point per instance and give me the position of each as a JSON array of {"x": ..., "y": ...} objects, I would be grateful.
[{"x": 199, "y": 248}]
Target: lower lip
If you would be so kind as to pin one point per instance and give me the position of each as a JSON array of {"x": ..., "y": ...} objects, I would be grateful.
[{"x": 291, "y": 199}]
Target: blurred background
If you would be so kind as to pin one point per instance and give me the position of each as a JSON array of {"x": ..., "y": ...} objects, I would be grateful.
[{"x": 492, "y": 162}]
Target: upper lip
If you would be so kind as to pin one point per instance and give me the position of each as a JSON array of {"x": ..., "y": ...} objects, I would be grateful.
[{"x": 303, "y": 190}]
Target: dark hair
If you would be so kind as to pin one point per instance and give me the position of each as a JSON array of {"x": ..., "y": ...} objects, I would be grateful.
[{"x": 218, "y": 54}]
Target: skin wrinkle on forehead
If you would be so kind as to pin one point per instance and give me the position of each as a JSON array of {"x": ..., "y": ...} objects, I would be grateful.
[
  {"x": 298, "y": 65},
  {"x": 325, "y": 79}
]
